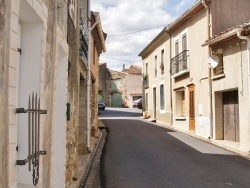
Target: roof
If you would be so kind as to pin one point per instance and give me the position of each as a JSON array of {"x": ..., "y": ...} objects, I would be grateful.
[
  {"x": 133, "y": 69},
  {"x": 187, "y": 15},
  {"x": 228, "y": 34}
]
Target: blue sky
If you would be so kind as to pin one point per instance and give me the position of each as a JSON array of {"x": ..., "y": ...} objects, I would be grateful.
[{"x": 123, "y": 16}]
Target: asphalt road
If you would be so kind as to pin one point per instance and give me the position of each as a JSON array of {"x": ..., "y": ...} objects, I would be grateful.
[{"x": 139, "y": 154}]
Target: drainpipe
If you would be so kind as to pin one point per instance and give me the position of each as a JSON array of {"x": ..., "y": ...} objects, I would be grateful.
[
  {"x": 88, "y": 79},
  {"x": 210, "y": 100},
  {"x": 248, "y": 49},
  {"x": 171, "y": 95}
]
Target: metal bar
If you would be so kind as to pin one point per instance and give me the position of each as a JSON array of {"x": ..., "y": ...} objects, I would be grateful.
[
  {"x": 39, "y": 125},
  {"x": 29, "y": 152},
  {"x": 32, "y": 143},
  {"x": 36, "y": 128}
]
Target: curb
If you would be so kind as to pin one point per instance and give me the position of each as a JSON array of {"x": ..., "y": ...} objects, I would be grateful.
[{"x": 91, "y": 177}]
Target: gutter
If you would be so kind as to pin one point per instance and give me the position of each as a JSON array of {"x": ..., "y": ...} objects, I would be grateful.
[
  {"x": 88, "y": 79},
  {"x": 210, "y": 98},
  {"x": 171, "y": 84},
  {"x": 248, "y": 65}
]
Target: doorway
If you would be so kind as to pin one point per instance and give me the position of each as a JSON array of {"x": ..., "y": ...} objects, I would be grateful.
[
  {"x": 154, "y": 102},
  {"x": 191, "y": 90},
  {"x": 231, "y": 115}
]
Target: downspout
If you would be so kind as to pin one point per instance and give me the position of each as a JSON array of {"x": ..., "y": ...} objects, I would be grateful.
[
  {"x": 88, "y": 79},
  {"x": 210, "y": 100},
  {"x": 248, "y": 49},
  {"x": 171, "y": 95}
]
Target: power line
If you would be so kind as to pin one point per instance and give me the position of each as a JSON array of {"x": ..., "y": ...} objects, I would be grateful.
[
  {"x": 118, "y": 59},
  {"x": 136, "y": 31}
]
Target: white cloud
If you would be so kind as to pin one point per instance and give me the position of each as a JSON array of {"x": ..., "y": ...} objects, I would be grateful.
[{"x": 123, "y": 16}]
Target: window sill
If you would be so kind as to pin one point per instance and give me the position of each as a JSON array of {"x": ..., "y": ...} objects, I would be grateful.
[
  {"x": 163, "y": 111},
  {"x": 180, "y": 73},
  {"x": 217, "y": 77},
  {"x": 181, "y": 118}
]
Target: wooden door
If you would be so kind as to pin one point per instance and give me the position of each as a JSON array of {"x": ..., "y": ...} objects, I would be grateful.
[
  {"x": 191, "y": 108},
  {"x": 154, "y": 102},
  {"x": 231, "y": 116}
]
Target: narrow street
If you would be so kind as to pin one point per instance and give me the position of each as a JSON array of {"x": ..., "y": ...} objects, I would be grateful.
[{"x": 139, "y": 154}]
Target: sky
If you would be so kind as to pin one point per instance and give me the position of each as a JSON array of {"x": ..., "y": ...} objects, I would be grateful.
[{"x": 132, "y": 25}]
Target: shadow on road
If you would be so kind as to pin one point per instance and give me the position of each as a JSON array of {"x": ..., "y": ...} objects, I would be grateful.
[{"x": 120, "y": 112}]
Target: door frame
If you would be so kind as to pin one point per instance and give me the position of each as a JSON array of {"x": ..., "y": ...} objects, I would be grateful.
[{"x": 191, "y": 104}]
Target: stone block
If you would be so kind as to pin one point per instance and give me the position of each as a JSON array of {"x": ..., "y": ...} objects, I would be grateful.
[
  {"x": 15, "y": 6},
  {"x": 12, "y": 134},
  {"x": 14, "y": 22},
  {"x": 12, "y": 163},
  {"x": 14, "y": 59},
  {"x": 14, "y": 40},
  {"x": 12, "y": 77},
  {"x": 12, "y": 115},
  {"x": 12, "y": 96},
  {"x": 37, "y": 8}
]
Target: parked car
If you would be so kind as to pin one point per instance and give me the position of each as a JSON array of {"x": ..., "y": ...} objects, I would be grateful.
[
  {"x": 101, "y": 105},
  {"x": 138, "y": 103}
]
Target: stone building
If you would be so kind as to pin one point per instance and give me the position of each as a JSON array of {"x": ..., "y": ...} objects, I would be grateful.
[
  {"x": 119, "y": 89},
  {"x": 39, "y": 53}
]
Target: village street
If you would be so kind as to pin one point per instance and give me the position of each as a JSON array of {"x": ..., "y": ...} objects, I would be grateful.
[{"x": 140, "y": 154}]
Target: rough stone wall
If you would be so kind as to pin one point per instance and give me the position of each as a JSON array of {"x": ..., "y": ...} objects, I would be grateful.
[
  {"x": 113, "y": 75},
  {"x": 48, "y": 91},
  {"x": 73, "y": 87},
  {"x": 4, "y": 54},
  {"x": 102, "y": 80}
]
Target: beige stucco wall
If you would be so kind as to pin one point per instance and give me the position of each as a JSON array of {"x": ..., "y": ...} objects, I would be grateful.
[
  {"x": 235, "y": 63},
  {"x": 163, "y": 116},
  {"x": 134, "y": 88},
  {"x": 197, "y": 33}
]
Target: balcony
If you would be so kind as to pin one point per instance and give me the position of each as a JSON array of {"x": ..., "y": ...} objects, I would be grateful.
[
  {"x": 179, "y": 64},
  {"x": 145, "y": 82}
]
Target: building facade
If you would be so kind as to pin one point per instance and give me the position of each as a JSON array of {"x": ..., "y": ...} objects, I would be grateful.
[
  {"x": 119, "y": 89},
  {"x": 43, "y": 77},
  {"x": 208, "y": 91}
]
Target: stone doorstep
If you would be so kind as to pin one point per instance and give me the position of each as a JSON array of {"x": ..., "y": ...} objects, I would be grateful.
[
  {"x": 230, "y": 146},
  {"x": 83, "y": 164}
]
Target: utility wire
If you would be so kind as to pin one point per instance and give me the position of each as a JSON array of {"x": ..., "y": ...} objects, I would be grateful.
[
  {"x": 136, "y": 31},
  {"x": 119, "y": 59}
]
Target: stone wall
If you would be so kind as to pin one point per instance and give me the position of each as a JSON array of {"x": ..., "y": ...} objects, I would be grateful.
[
  {"x": 114, "y": 75},
  {"x": 73, "y": 87},
  {"x": 4, "y": 38}
]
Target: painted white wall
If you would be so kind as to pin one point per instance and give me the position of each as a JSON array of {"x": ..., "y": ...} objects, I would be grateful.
[
  {"x": 29, "y": 81},
  {"x": 59, "y": 129}
]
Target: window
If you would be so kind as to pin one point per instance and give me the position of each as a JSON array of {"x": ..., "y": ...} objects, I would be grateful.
[
  {"x": 184, "y": 42},
  {"x": 176, "y": 48},
  {"x": 156, "y": 66},
  {"x": 219, "y": 69},
  {"x": 162, "y": 61},
  {"x": 162, "y": 97},
  {"x": 146, "y": 70},
  {"x": 180, "y": 103},
  {"x": 146, "y": 101}
]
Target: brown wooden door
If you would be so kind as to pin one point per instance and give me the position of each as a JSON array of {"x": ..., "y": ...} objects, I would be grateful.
[
  {"x": 231, "y": 116},
  {"x": 191, "y": 108}
]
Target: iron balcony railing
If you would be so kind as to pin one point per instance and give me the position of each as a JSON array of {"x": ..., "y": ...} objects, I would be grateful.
[{"x": 179, "y": 62}]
